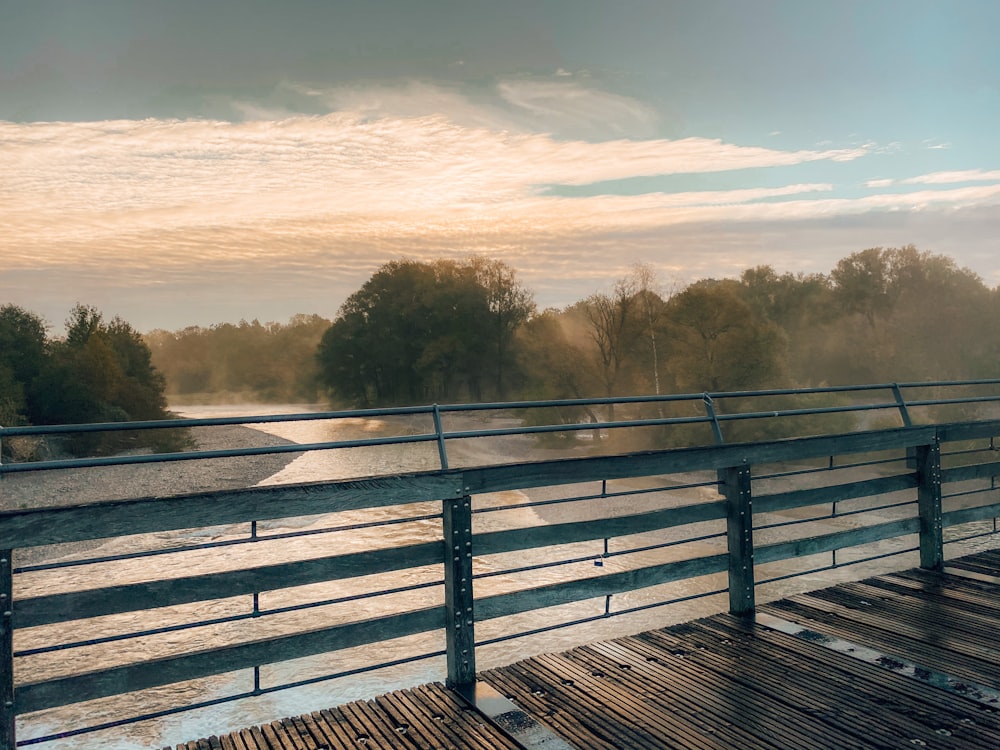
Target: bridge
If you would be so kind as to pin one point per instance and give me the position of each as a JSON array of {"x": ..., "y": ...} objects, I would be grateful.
[{"x": 481, "y": 555}]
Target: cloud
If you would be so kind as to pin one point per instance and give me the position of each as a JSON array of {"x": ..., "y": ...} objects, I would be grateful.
[
  {"x": 941, "y": 178},
  {"x": 281, "y": 202},
  {"x": 71, "y": 180},
  {"x": 945, "y": 178}
]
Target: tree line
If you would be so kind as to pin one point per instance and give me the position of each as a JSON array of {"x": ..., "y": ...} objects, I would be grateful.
[{"x": 446, "y": 331}]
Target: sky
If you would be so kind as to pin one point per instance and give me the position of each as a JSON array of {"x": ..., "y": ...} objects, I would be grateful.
[{"x": 194, "y": 162}]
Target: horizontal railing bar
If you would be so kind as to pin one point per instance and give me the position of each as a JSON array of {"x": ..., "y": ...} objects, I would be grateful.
[
  {"x": 596, "y": 496},
  {"x": 833, "y": 468},
  {"x": 231, "y": 698},
  {"x": 839, "y": 514},
  {"x": 682, "y": 460},
  {"x": 539, "y": 566},
  {"x": 233, "y": 618},
  {"x": 566, "y": 592},
  {"x": 261, "y": 537},
  {"x": 595, "y": 618},
  {"x": 33, "y": 527},
  {"x": 78, "y": 605},
  {"x": 969, "y": 537},
  {"x": 183, "y": 422},
  {"x": 596, "y": 557},
  {"x": 832, "y": 493},
  {"x": 664, "y": 545},
  {"x": 157, "y": 458},
  {"x": 74, "y": 523},
  {"x": 970, "y": 471},
  {"x": 511, "y": 540},
  {"x": 127, "y": 678},
  {"x": 968, "y": 493},
  {"x": 967, "y": 515},
  {"x": 839, "y": 565},
  {"x": 836, "y": 540},
  {"x": 949, "y": 433}
]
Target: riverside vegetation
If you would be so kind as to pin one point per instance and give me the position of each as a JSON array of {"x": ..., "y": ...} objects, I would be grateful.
[{"x": 448, "y": 331}]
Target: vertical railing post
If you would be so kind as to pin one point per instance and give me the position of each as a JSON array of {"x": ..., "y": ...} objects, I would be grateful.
[
  {"x": 928, "y": 464},
  {"x": 739, "y": 532},
  {"x": 7, "y": 728},
  {"x": 460, "y": 620}
]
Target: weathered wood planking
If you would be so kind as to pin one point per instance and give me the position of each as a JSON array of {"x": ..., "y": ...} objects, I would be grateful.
[
  {"x": 778, "y": 501},
  {"x": 653, "y": 463},
  {"x": 35, "y": 696},
  {"x": 566, "y": 592},
  {"x": 494, "y": 542},
  {"x": 74, "y": 523},
  {"x": 428, "y": 718},
  {"x": 77, "y": 605},
  {"x": 727, "y": 682}
]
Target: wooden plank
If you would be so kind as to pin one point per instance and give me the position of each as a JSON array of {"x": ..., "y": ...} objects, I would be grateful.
[
  {"x": 606, "y": 722},
  {"x": 727, "y": 699},
  {"x": 368, "y": 726},
  {"x": 835, "y": 540},
  {"x": 779, "y": 501},
  {"x": 74, "y": 523},
  {"x": 968, "y": 515},
  {"x": 615, "y": 674},
  {"x": 307, "y": 724},
  {"x": 332, "y": 731},
  {"x": 971, "y": 471},
  {"x": 76, "y": 605},
  {"x": 538, "y": 597},
  {"x": 512, "y": 540},
  {"x": 968, "y": 430},
  {"x": 433, "y": 723},
  {"x": 652, "y": 463},
  {"x": 892, "y": 637},
  {"x": 194, "y": 665},
  {"x": 405, "y": 723},
  {"x": 841, "y": 694}
]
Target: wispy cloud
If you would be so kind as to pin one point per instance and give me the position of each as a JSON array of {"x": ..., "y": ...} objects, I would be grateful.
[{"x": 940, "y": 178}]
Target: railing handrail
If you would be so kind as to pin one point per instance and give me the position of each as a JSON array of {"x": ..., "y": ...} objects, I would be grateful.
[{"x": 439, "y": 435}]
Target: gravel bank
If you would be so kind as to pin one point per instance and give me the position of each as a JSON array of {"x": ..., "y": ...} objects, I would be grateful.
[{"x": 73, "y": 486}]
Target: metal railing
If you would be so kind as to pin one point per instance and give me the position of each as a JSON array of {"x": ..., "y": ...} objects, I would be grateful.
[{"x": 612, "y": 534}]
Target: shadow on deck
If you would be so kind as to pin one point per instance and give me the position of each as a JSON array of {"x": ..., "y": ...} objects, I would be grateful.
[{"x": 907, "y": 659}]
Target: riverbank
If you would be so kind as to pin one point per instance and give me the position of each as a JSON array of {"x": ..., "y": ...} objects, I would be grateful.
[{"x": 46, "y": 489}]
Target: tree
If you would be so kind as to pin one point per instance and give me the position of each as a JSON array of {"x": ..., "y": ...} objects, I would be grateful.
[
  {"x": 510, "y": 305},
  {"x": 100, "y": 372},
  {"x": 716, "y": 342},
  {"x": 420, "y": 331},
  {"x": 23, "y": 353}
]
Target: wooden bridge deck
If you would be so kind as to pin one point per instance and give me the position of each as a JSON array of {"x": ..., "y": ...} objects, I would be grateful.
[{"x": 909, "y": 659}]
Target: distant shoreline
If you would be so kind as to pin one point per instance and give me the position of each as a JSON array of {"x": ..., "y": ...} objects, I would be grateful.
[{"x": 46, "y": 489}]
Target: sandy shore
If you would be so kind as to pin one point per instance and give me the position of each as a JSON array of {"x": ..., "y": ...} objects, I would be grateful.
[{"x": 73, "y": 486}]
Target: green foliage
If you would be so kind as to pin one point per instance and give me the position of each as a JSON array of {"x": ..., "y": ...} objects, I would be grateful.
[
  {"x": 100, "y": 372},
  {"x": 418, "y": 332}
]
